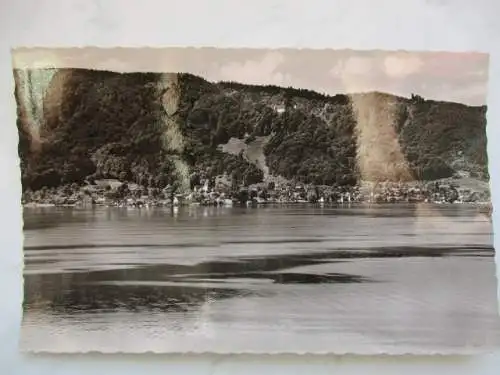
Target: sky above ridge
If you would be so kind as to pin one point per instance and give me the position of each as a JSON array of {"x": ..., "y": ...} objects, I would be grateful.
[{"x": 449, "y": 76}]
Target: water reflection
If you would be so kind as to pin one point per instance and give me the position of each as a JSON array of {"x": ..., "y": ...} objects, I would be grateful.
[
  {"x": 338, "y": 270},
  {"x": 174, "y": 287}
]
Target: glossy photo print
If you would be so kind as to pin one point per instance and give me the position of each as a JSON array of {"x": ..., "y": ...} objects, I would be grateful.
[{"x": 192, "y": 200}]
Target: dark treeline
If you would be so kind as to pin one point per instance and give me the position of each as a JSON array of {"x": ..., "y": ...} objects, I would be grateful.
[{"x": 289, "y": 92}]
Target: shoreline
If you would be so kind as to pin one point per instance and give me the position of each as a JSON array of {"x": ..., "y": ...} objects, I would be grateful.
[
  {"x": 255, "y": 204},
  {"x": 114, "y": 193}
]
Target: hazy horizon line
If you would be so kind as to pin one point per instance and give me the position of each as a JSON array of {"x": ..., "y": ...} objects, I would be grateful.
[
  {"x": 297, "y": 88},
  {"x": 459, "y": 77}
]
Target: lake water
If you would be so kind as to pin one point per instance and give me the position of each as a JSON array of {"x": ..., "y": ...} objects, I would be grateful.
[{"x": 393, "y": 279}]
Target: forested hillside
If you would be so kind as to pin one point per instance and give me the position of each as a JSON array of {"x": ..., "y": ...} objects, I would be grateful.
[{"x": 137, "y": 127}]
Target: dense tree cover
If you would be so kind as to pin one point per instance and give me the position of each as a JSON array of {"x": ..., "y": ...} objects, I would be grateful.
[
  {"x": 444, "y": 137},
  {"x": 302, "y": 146},
  {"x": 99, "y": 124},
  {"x": 312, "y": 151}
]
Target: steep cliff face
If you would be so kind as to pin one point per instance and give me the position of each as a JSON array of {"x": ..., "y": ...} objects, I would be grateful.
[{"x": 159, "y": 129}]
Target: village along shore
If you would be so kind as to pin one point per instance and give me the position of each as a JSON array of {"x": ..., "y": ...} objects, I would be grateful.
[{"x": 114, "y": 193}]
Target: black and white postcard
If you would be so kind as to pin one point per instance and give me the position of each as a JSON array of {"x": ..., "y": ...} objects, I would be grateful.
[{"x": 183, "y": 200}]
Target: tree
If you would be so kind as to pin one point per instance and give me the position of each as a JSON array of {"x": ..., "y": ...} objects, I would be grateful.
[{"x": 123, "y": 190}]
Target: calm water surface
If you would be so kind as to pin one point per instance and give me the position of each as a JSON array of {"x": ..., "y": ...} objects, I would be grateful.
[{"x": 393, "y": 279}]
